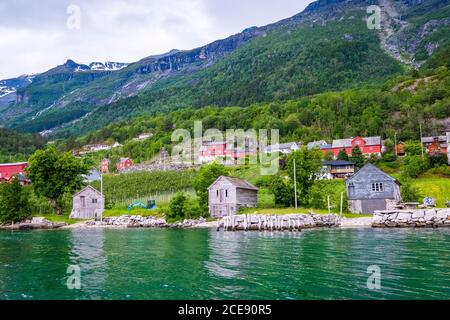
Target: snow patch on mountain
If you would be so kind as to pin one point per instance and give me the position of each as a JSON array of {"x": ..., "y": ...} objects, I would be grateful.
[
  {"x": 101, "y": 66},
  {"x": 4, "y": 91},
  {"x": 107, "y": 66},
  {"x": 10, "y": 86}
]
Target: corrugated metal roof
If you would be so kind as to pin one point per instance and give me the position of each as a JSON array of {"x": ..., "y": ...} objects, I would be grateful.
[
  {"x": 371, "y": 169},
  {"x": 282, "y": 146},
  {"x": 347, "y": 143},
  {"x": 432, "y": 139},
  {"x": 316, "y": 144},
  {"x": 13, "y": 164},
  {"x": 338, "y": 163},
  {"x": 238, "y": 183}
]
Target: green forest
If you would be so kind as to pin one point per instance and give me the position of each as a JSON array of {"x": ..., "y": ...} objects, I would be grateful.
[
  {"x": 16, "y": 146},
  {"x": 398, "y": 107}
]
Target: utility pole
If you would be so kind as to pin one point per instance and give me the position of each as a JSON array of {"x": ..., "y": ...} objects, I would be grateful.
[
  {"x": 101, "y": 190},
  {"x": 421, "y": 144},
  {"x": 329, "y": 204},
  {"x": 395, "y": 145},
  {"x": 295, "y": 185}
]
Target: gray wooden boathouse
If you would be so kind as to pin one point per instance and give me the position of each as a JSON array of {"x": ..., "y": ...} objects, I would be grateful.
[
  {"x": 227, "y": 195},
  {"x": 88, "y": 204},
  {"x": 370, "y": 189}
]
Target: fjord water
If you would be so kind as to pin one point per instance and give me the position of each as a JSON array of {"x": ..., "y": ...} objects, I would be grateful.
[{"x": 205, "y": 264}]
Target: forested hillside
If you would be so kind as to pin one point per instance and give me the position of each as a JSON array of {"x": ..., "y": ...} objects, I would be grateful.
[
  {"x": 17, "y": 147},
  {"x": 337, "y": 52},
  {"x": 319, "y": 74},
  {"x": 397, "y": 107}
]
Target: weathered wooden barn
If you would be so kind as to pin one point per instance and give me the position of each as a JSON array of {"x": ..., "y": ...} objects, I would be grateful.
[
  {"x": 227, "y": 195},
  {"x": 88, "y": 204},
  {"x": 370, "y": 189}
]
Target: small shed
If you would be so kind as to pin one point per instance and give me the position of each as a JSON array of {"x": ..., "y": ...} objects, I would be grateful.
[
  {"x": 370, "y": 189},
  {"x": 89, "y": 203},
  {"x": 227, "y": 195}
]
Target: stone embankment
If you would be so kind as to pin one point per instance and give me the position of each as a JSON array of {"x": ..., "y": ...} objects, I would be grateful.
[
  {"x": 429, "y": 218},
  {"x": 131, "y": 221},
  {"x": 34, "y": 224},
  {"x": 292, "y": 222}
]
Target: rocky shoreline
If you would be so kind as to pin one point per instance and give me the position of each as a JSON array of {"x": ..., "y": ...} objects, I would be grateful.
[
  {"x": 136, "y": 221},
  {"x": 34, "y": 224},
  {"x": 431, "y": 218}
]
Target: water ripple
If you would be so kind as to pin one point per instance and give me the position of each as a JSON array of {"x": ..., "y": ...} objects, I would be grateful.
[{"x": 204, "y": 264}]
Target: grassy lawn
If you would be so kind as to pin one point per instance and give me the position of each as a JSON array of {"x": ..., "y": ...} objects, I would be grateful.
[
  {"x": 54, "y": 218},
  {"x": 434, "y": 186}
]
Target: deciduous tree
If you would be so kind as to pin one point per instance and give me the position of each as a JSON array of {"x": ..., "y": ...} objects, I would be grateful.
[
  {"x": 14, "y": 203},
  {"x": 53, "y": 174}
]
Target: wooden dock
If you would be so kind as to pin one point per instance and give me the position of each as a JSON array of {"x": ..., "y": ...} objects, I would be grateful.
[{"x": 292, "y": 223}]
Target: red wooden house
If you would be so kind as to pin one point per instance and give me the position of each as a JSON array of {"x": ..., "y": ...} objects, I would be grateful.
[
  {"x": 368, "y": 146},
  {"x": 435, "y": 145},
  {"x": 9, "y": 170},
  {"x": 213, "y": 150},
  {"x": 124, "y": 163}
]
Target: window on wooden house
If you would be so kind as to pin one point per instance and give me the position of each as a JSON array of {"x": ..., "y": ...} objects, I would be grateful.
[
  {"x": 226, "y": 193},
  {"x": 83, "y": 201},
  {"x": 217, "y": 192},
  {"x": 94, "y": 201},
  {"x": 377, "y": 187}
]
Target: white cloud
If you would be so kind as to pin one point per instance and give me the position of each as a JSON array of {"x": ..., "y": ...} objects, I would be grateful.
[{"x": 34, "y": 35}]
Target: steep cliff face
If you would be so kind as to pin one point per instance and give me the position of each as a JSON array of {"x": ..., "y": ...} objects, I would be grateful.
[
  {"x": 413, "y": 30},
  {"x": 196, "y": 58}
]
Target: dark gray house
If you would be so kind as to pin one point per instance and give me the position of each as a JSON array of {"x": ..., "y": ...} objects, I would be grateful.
[
  {"x": 370, "y": 189},
  {"x": 88, "y": 204},
  {"x": 227, "y": 195}
]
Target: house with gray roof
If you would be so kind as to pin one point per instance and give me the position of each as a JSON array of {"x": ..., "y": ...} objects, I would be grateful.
[
  {"x": 93, "y": 175},
  {"x": 371, "y": 189},
  {"x": 368, "y": 145},
  {"x": 435, "y": 145},
  {"x": 227, "y": 195},
  {"x": 284, "y": 148},
  {"x": 317, "y": 144},
  {"x": 89, "y": 203},
  {"x": 337, "y": 169}
]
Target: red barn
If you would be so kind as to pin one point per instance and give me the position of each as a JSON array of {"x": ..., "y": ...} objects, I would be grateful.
[
  {"x": 211, "y": 151},
  {"x": 9, "y": 170},
  {"x": 435, "y": 145},
  {"x": 368, "y": 146},
  {"x": 124, "y": 163}
]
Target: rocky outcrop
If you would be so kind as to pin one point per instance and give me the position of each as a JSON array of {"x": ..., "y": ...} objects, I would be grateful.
[
  {"x": 292, "y": 222},
  {"x": 430, "y": 218}
]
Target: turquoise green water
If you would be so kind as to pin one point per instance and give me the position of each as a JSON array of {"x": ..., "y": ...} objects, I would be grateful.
[{"x": 205, "y": 264}]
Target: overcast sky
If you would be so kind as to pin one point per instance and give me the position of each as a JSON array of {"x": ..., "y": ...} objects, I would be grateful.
[{"x": 38, "y": 35}]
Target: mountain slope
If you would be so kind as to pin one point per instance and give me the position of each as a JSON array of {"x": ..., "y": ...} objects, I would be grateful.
[
  {"x": 394, "y": 110},
  {"x": 326, "y": 47}
]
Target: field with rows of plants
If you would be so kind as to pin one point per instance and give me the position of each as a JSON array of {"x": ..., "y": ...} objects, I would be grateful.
[{"x": 123, "y": 189}]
